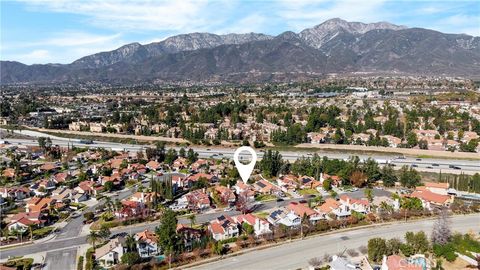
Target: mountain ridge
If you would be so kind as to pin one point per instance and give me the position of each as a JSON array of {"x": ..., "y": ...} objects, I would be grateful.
[{"x": 333, "y": 46}]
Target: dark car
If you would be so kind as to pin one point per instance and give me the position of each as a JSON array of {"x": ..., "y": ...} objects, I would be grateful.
[
  {"x": 279, "y": 200},
  {"x": 414, "y": 165}
]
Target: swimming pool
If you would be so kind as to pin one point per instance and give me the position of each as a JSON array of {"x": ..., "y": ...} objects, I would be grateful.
[{"x": 419, "y": 261}]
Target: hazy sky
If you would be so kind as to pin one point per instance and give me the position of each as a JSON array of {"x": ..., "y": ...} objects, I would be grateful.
[{"x": 60, "y": 31}]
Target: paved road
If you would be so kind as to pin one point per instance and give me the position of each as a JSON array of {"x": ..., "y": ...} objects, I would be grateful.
[
  {"x": 296, "y": 254},
  {"x": 61, "y": 260},
  {"x": 422, "y": 164}
]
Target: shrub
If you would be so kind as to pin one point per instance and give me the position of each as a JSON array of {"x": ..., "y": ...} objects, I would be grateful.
[
  {"x": 42, "y": 232},
  {"x": 446, "y": 251},
  {"x": 80, "y": 263},
  {"x": 376, "y": 249},
  {"x": 25, "y": 263},
  {"x": 130, "y": 258}
]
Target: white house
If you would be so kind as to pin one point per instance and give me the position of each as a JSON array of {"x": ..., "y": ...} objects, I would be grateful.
[
  {"x": 147, "y": 244},
  {"x": 285, "y": 217},
  {"x": 224, "y": 227},
  {"x": 111, "y": 253},
  {"x": 260, "y": 226}
]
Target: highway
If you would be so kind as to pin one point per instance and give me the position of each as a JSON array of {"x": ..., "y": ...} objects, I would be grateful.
[
  {"x": 295, "y": 255},
  {"x": 453, "y": 165}
]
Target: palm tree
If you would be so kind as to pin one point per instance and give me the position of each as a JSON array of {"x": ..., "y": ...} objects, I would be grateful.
[
  {"x": 104, "y": 233},
  {"x": 131, "y": 243},
  {"x": 369, "y": 194},
  {"x": 386, "y": 207},
  {"x": 93, "y": 238},
  {"x": 108, "y": 203},
  {"x": 192, "y": 219}
]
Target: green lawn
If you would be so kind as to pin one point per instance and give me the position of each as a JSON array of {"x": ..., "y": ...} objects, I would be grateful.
[
  {"x": 308, "y": 191},
  {"x": 265, "y": 197},
  {"x": 261, "y": 214}
]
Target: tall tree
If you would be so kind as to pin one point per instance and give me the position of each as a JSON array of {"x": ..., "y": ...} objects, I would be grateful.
[
  {"x": 167, "y": 233},
  {"x": 441, "y": 232}
]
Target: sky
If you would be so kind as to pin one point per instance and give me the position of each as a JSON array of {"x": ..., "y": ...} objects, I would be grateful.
[{"x": 61, "y": 31}]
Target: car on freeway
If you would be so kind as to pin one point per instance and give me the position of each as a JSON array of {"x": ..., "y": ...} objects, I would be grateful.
[
  {"x": 435, "y": 164},
  {"x": 429, "y": 167},
  {"x": 414, "y": 165},
  {"x": 279, "y": 200},
  {"x": 457, "y": 168},
  {"x": 418, "y": 159}
]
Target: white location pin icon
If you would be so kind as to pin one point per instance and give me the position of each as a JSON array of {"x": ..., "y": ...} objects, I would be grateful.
[{"x": 245, "y": 170}]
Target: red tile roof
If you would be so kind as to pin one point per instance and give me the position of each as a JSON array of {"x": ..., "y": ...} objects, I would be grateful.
[{"x": 430, "y": 196}]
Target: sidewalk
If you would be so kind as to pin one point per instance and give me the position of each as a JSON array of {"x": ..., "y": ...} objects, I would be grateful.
[{"x": 49, "y": 237}]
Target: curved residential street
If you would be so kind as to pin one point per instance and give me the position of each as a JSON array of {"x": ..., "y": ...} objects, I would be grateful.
[{"x": 296, "y": 254}]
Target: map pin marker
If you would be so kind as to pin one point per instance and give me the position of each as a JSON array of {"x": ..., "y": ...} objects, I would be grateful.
[{"x": 245, "y": 170}]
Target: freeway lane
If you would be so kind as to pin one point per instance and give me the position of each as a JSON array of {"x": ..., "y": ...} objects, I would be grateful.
[
  {"x": 424, "y": 164},
  {"x": 296, "y": 254}
]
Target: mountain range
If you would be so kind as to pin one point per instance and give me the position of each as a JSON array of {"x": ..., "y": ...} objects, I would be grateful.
[{"x": 335, "y": 46}]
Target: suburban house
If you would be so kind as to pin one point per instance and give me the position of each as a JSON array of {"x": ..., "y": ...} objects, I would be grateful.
[
  {"x": 199, "y": 164},
  {"x": 189, "y": 236},
  {"x": 265, "y": 187},
  {"x": 224, "y": 227},
  {"x": 88, "y": 187},
  {"x": 142, "y": 197},
  {"x": 332, "y": 207},
  {"x": 288, "y": 183},
  {"x": 260, "y": 226},
  {"x": 432, "y": 200},
  {"x": 438, "y": 188},
  {"x": 147, "y": 244},
  {"x": 242, "y": 188},
  {"x": 303, "y": 210},
  {"x": 306, "y": 182},
  {"x": 180, "y": 163},
  {"x": 225, "y": 194},
  {"x": 196, "y": 200},
  {"x": 37, "y": 204},
  {"x": 336, "y": 180},
  {"x": 111, "y": 253},
  {"x": 130, "y": 209},
  {"x": 15, "y": 193},
  {"x": 285, "y": 217},
  {"x": 357, "y": 205},
  {"x": 196, "y": 177},
  {"x": 378, "y": 201},
  {"x": 153, "y": 165},
  {"x": 22, "y": 221}
]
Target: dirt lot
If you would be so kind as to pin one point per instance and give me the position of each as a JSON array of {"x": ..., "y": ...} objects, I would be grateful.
[{"x": 389, "y": 150}]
